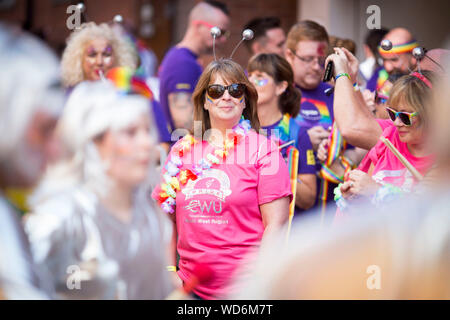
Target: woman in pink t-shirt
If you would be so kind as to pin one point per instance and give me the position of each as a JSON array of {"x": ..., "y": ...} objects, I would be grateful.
[
  {"x": 226, "y": 189},
  {"x": 381, "y": 173}
]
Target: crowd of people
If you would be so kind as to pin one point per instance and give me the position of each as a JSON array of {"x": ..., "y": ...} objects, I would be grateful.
[{"x": 109, "y": 190}]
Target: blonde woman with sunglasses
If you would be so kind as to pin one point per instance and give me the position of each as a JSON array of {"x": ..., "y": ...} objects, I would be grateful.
[{"x": 381, "y": 173}]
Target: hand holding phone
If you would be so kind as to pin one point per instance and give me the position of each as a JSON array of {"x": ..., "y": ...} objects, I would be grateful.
[{"x": 328, "y": 72}]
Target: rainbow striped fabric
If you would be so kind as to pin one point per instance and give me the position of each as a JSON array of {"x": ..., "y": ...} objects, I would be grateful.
[
  {"x": 126, "y": 80},
  {"x": 382, "y": 77},
  {"x": 399, "y": 48}
]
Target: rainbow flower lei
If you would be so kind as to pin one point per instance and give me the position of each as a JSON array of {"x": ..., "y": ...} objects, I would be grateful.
[{"x": 174, "y": 177}]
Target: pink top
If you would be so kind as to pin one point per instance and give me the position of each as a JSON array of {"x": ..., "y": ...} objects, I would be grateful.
[
  {"x": 387, "y": 168},
  {"x": 218, "y": 217}
]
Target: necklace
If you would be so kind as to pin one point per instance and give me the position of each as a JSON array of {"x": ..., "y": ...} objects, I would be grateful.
[{"x": 174, "y": 177}]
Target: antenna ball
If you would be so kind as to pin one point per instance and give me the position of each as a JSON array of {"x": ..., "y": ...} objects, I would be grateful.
[
  {"x": 118, "y": 18},
  {"x": 215, "y": 32},
  {"x": 386, "y": 45},
  {"x": 81, "y": 6},
  {"x": 247, "y": 34},
  {"x": 418, "y": 53}
]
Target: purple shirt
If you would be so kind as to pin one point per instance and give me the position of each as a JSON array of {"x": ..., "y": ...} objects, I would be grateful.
[
  {"x": 316, "y": 108},
  {"x": 306, "y": 159},
  {"x": 372, "y": 82},
  {"x": 161, "y": 122},
  {"x": 179, "y": 72}
]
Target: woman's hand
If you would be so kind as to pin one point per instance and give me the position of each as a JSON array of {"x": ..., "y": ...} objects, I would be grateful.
[
  {"x": 359, "y": 183},
  {"x": 353, "y": 63},
  {"x": 176, "y": 280},
  {"x": 344, "y": 62},
  {"x": 322, "y": 150},
  {"x": 316, "y": 135}
]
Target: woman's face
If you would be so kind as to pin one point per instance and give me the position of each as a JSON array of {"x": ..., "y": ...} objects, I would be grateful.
[
  {"x": 413, "y": 134},
  {"x": 226, "y": 110},
  {"x": 265, "y": 85},
  {"x": 128, "y": 152},
  {"x": 98, "y": 57},
  {"x": 268, "y": 90}
]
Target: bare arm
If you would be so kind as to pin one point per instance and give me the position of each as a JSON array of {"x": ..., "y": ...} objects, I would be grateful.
[
  {"x": 354, "y": 120},
  {"x": 274, "y": 215},
  {"x": 176, "y": 281},
  {"x": 306, "y": 191},
  {"x": 181, "y": 109}
]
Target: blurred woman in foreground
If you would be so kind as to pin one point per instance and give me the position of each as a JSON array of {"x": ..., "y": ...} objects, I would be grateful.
[{"x": 93, "y": 227}]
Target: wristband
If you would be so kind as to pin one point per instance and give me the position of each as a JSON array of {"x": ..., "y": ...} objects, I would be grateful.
[
  {"x": 342, "y": 74},
  {"x": 171, "y": 268}
]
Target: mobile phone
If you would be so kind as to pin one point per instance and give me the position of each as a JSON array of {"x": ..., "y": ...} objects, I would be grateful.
[{"x": 328, "y": 72}]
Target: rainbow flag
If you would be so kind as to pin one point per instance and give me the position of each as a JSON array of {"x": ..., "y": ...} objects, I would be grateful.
[
  {"x": 293, "y": 155},
  {"x": 336, "y": 149},
  {"x": 382, "y": 77},
  {"x": 126, "y": 80}
]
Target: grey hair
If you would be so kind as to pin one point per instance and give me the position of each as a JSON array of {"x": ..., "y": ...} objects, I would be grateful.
[
  {"x": 29, "y": 81},
  {"x": 92, "y": 109}
]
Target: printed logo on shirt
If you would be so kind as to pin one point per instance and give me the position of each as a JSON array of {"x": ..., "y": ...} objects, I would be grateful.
[
  {"x": 312, "y": 110},
  {"x": 183, "y": 86},
  {"x": 221, "y": 188},
  {"x": 310, "y": 159},
  {"x": 401, "y": 178},
  {"x": 215, "y": 183},
  {"x": 310, "y": 114}
]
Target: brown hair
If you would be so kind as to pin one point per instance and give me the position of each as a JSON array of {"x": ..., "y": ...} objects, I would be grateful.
[
  {"x": 348, "y": 44},
  {"x": 414, "y": 92},
  {"x": 233, "y": 73},
  {"x": 305, "y": 30},
  {"x": 280, "y": 70}
]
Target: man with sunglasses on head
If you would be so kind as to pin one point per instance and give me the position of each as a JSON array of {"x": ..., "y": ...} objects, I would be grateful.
[{"x": 180, "y": 70}]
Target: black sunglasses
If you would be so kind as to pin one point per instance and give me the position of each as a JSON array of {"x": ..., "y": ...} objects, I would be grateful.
[{"x": 236, "y": 90}]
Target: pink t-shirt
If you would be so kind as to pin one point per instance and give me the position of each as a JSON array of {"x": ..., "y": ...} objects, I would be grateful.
[
  {"x": 218, "y": 217},
  {"x": 387, "y": 168}
]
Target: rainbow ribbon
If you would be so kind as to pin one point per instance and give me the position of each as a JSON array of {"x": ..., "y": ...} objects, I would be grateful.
[
  {"x": 399, "y": 48},
  {"x": 292, "y": 156},
  {"x": 336, "y": 147}
]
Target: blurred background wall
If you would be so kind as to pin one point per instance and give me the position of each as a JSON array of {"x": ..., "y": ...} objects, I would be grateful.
[{"x": 161, "y": 23}]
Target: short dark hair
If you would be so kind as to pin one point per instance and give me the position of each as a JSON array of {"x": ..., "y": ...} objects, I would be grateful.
[
  {"x": 218, "y": 5},
  {"x": 373, "y": 39},
  {"x": 259, "y": 26}
]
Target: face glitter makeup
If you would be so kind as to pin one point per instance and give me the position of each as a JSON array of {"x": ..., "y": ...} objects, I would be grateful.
[{"x": 261, "y": 82}]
